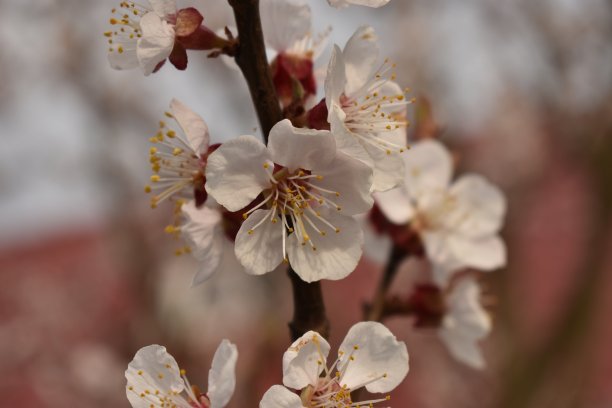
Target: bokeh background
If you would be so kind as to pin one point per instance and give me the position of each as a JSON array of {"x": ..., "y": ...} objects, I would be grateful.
[{"x": 521, "y": 91}]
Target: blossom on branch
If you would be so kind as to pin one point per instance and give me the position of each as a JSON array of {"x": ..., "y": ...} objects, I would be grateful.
[
  {"x": 302, "y": 193},
  {"x": 370, "y": 356},
  {"x": 155, "y": 380},
  {"x": 458, "y": 224},
  {"x": 367, "y": 110},
  {"x": 145, "y": 37},
  {"x": 367, "y": 3}
]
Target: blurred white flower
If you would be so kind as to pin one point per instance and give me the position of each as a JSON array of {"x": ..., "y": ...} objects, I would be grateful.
[
  {"x": 307, "y": 193},
  {"x": 368, "y": 3},
  {"x": 370, "y": 356},
  {"x": 154, "y": 379},
  {"x": 366, "y": 110},
  {"x": 457, "y": 223},
  {"x": 465, "y": 323}
]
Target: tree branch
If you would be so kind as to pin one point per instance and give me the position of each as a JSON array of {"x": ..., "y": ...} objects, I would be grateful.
[
  {"x": 309, "y": 308},
  {"x": 375, "y": 311},
  {"x": 251, "y": 58}
]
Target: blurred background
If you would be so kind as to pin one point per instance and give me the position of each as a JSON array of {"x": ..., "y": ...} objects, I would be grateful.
[{"x": 522, "y": 92}]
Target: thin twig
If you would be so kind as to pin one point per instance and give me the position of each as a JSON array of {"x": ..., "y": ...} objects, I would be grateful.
[{"x": 375, "y": 311}]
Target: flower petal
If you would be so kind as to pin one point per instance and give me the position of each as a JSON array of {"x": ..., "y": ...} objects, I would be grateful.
[
  {"x": 235, "y": 173},
  {"x": 396, "y": 205},
  {"x": 360, "y": 56},
  {"x": 222, "y": 375},
  {"x": 152, "y": 369},
  {"x": 284, "y": 22},
  {"x": 202, "y": 232},
  {"x": 481, "y": 206},
  {"x": 336, "y": 254},
  {"x": 156, "y": 43},
  {"x": 192, "y": 124},
  {"x": 444, "y": 262},
  {"x": 388, "y": 168},
  {"x": 261, "y": 250},
  {"x": 304, "y": 361},
  {"x": 297, "y": 148},
  {"x": 335, "y": 81},
  {"x": 486, "y": 253},
  {"x": 351, "y": 179},
  {"x": 163, "y": 8},
  {"x": 465, "y": 323},
  {"x": 346, "y": 142},
  {"x": 371, "y": 356},
  {"x": 428, "y": 167},
  {"x": 280, "y": 397}
]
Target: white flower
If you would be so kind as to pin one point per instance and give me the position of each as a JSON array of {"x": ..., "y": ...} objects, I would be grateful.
[
  {"x": 178, "y": 158},
  {"x": 368, "y": 3},
  {"x": 458, "y": 223},
  {"x": 370, "y": 356},
  {"x": 465, "y": 323},
  {"x": 154, "y": 379},
  {"x": 366, "y": 110},
  {"x": 141, "y": 36},
  {"x": 306, "y": 194}
]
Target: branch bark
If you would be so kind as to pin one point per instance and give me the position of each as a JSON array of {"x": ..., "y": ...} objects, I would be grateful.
[
  {"x": 251, "y": 58},
  {"x": 309, "y": 308},
  {"x": 375, "y": 311}
]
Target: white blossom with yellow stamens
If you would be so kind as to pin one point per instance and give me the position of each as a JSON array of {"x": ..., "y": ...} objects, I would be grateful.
[
  {"x": 303, "y": 195},
  {"x": 141, "y": 36},
  {"x": 370, "y": 356},
  {"x": 458, "y": 223},
  {"x": 155, "y": 380},
  {"x": 367, "y": 109},
  {"x": 178, "y": 157}
]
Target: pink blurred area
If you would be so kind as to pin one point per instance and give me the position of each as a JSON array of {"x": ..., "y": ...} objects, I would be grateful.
[{"x": 521, "y": 93}]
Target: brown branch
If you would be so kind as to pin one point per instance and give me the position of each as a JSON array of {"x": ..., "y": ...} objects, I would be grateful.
[
  {"x": 309, "y": 308},
  {"x": 251, "y": 58}
]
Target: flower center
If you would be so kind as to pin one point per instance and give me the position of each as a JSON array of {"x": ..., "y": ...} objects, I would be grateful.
[
  {"x": 126, "y": 27},
  {"x": 372, "y": 111}
]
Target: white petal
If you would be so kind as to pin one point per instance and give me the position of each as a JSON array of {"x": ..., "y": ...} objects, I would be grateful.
[
  {"x": 235, "y": 173},
  {"x": 379, "y": 362},
  {"x": 465, "y": 323},
  {"x": 486, "y": 253},
  {"x": 297, "y": 148},
  {"x": 192, "y": 124},
  {"x": 284, "y": 22},
  {"x": 260, "y": 251},
  {"x": 428, "y": 167},
  {"x": 346, "y": 142},
  {"x": 336, "y": 254},
  {"x": 368, "y": 3},
  {"x": 335, "y": 81},
  {"x": 388, "y": 168},
  {"x": 126, "y": 59},
  {"x": 396, "y": 205},
  {"x": 156, "y": 43},
  {"x": 351, "y": 179},
  {"x": 360, "y": 56},
  {"x": 481, "y": 206},
  {"x": 152, "y": 369},
  {"x": 163, "y": 8},
  {"x": 304, "y": 360},
  {"x": 222, "y": 375},
  {"x": 444, "y": 262},
  {"x": 280, "y": 397},
  {"x": 204, "y": 236}
]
